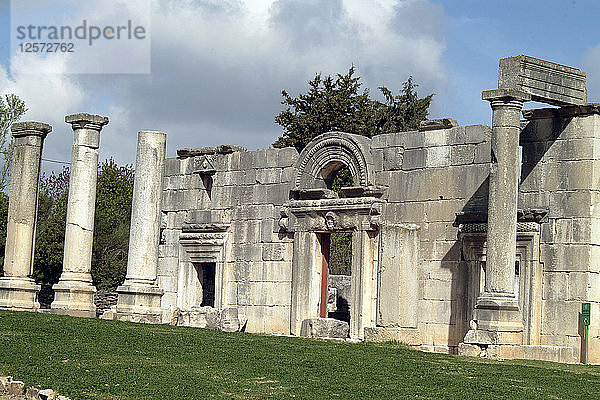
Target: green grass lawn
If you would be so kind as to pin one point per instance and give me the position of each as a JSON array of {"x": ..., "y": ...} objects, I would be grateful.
[{"x": 96, "y": 359}]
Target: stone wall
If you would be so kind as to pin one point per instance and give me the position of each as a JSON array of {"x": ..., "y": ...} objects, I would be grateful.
[
  {"x": 427, "y": 178},
  {"x": 241, "y": 192},
  {"x": 560, "y": 173},
  {"x": 431, "y": 176},
  {"x": 418, "y": 214}
]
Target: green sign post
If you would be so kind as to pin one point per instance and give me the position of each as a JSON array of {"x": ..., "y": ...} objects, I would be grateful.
[{"x": 585, "y": 322}]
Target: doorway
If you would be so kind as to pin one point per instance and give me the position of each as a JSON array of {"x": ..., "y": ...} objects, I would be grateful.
[{"x": 336, "y": 275}]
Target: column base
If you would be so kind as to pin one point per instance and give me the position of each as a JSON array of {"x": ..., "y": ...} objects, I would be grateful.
[
  {"x": 497, "y": 321},
  {"x": 139, "y": 304},
  {"x": 74, "y": 298},
  {"x": 498, "y": 313},
  {"x": 18, "y": 294}
]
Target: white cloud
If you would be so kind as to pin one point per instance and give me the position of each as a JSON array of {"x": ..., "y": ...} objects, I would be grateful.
[
  {"x": 218, "y": 67},
  {"x": 48, "y": 98}
]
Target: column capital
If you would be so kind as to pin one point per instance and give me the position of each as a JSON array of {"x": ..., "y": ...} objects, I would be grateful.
[
  {"x": 30, "y": 128},
  {"x": 86, "y": 121},
  {"x": 505, "y": 95}
]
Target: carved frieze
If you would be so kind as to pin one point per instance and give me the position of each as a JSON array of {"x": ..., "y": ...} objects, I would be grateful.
[
  {"x": 328, "y": 215},
  {"x": 205, "y": 243}
]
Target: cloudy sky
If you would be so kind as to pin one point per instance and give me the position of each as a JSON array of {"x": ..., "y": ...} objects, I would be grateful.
[{"x": 217, "y": 67}]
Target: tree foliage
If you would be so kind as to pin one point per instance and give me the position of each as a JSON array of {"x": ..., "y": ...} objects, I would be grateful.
[
  {"x": 50, "y": 228},
  {"x": 11, "y": 110},
  {"x": 338, "y": 104},
  {"x": 114, "y": 194}
]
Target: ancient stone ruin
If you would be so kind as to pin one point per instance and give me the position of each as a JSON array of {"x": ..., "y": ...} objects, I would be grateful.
[{"x": 465, "y": 239}]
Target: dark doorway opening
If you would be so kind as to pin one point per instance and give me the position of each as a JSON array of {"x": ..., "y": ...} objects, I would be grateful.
[
  {"x": 208, "y": 284},
  {"x": 336, "y": 249}
]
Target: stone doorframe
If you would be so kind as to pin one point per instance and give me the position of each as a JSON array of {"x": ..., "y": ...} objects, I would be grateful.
[
  {"x": 308, "y": 219},
  {"x": 202, "y": 243},
  {"x": 473, "y": 237}
]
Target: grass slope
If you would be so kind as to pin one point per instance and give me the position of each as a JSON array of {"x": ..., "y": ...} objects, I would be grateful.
[{"x": 96, "y": 359}]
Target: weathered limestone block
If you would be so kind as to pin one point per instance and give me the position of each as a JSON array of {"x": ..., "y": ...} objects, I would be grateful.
[
  {"x": 32, "y": 393},
  {"x": 331, "y": 299},
  {"x": 414, "y": 159},
  {"x": 398, "y": 276},
  {"x": 469, "y": 350},
  {"x": 17, "y": 289},
  {"x": 274, "y": 293},
  {"x": 462, "y": 154},
  {"x": 393, "y": 158},
  {"x": 545, "y": 81},
  {"x": 409, "y": 336},
  {"x": 229, "y": 320},
  {"x": 273, "y": 252},
  {"x": 324, "y": 328},
  {"x": 440, "y": 123},
  {"x": 438, "y": 156},
  {"x": 15, "y": 387},
  {"x": 201, "y": 317}
]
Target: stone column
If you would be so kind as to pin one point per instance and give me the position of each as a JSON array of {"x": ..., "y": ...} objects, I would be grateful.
[
  {"x": 17, "y": 289},
  {"x": 497, "y": 310},
  {"x": 74, "y": 293},
  {"x": 139, "y": 296}
]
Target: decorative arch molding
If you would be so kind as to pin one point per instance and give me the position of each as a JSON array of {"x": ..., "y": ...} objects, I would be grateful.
[{"x": 353, "y": 151}]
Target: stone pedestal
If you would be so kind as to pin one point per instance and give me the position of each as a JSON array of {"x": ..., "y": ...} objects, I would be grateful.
[
  {"x": 498, "y": 319},
  {"x": 139, "y": 296},
  {"x": 74, "y": 293},
  {"x": 17, "y": 289}
]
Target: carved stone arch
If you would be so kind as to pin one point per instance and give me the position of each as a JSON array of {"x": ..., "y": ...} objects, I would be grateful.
[{"x": 330, "y": 149}]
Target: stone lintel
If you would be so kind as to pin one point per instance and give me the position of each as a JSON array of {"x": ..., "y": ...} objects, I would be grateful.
[
  {"x": 359, "y": 213},
  {"x": 334, "y": 204},
  {"x": 82, "y": 120},
  {"x": 314, "y": 194},
  {"x": 202, "y": 151},
  {"x": 545, "y": 81},
  {"x": 30, "y": 128},
  {"x": 440, "y": 123},
  {"x": 201, "y": 227},
  {"x": 523, "y": 215},
  {"x": 562, "y": 112},
  {"x": 360, "y": 191},
  {"x": 203, "y": 246},
  {"x": 509, "y": 94}
]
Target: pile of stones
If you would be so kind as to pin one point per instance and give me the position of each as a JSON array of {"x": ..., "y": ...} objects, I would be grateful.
[{"x": 16, "y": 390}]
